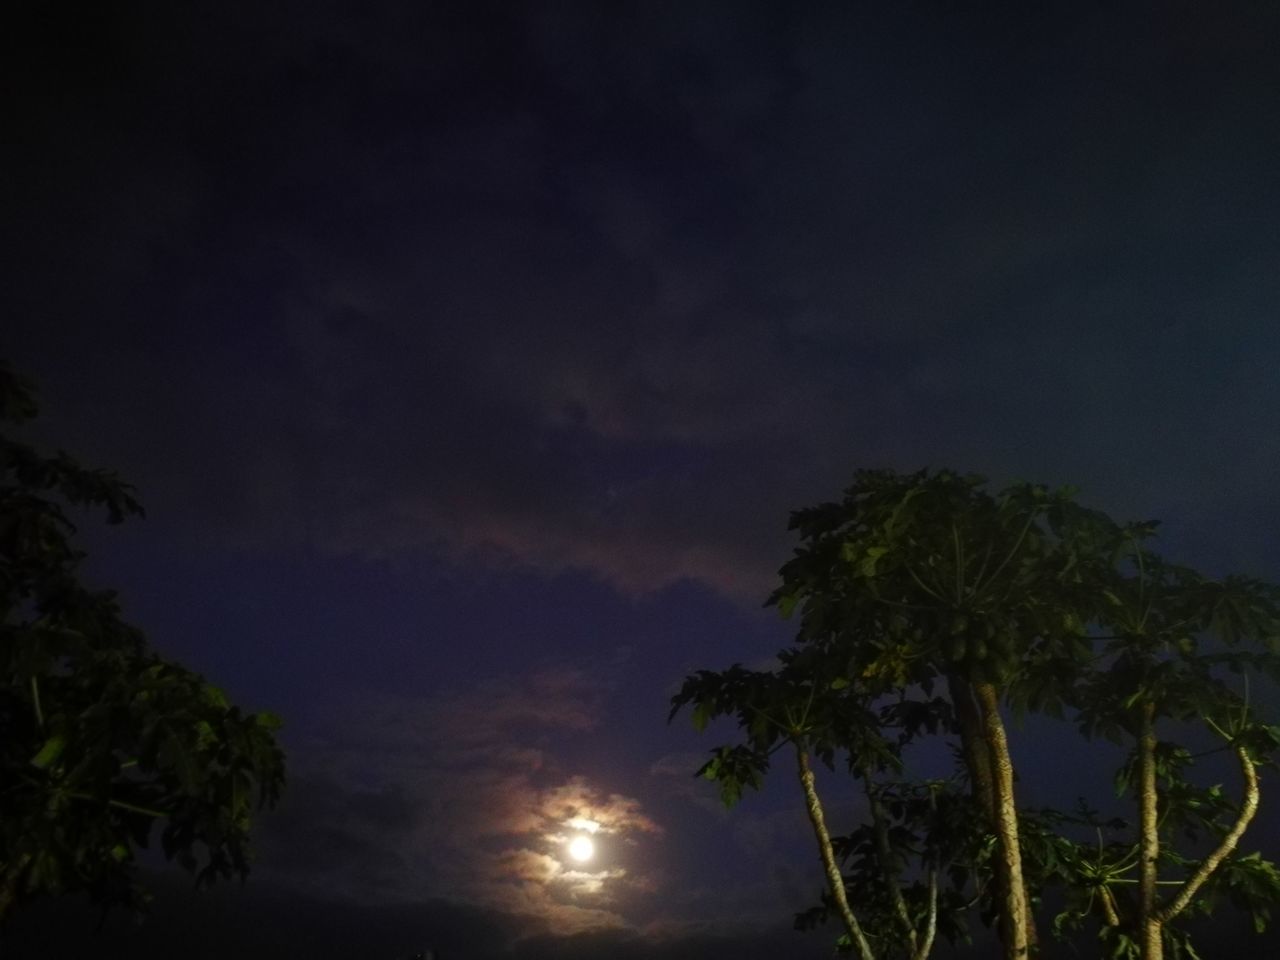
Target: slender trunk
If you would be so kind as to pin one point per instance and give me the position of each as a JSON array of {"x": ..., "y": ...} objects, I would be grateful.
[
  {"x": 1109, "y": 910},
  {"x": 1150, "y": 933},
  {"x": 977, "y": 758},
  {"x": 983, "y": 772},
  {"x": 1248, "y": 808},
  {"x": 834, "y": 879},
  {"x": 931, "y": 921},
  {"x": 1017, "y": 945},
  {"x": 884, "y": 852}
]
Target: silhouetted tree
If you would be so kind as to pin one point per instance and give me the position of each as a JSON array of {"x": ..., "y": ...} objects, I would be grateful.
[{"x": 103, "y": 741}]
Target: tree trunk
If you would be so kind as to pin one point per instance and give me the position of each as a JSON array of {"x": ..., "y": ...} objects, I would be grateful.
[
  {"x": 925, "y": 946},
  {"x": 1017, "y": 944},
  {"x": 973, "y": 746},
  {"x": 1150, "y": 933},
  {"x": 884, "y": 851},
  {"x": 834, "y": 878},
  {"x": 982, "y": 776}
]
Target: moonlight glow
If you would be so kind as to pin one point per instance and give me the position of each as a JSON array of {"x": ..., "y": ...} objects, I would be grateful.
[{"x": 581, "y": 848}]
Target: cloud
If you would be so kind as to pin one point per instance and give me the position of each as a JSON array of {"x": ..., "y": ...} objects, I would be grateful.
[
  {"x": 632, "y": 353},
  {"x": 674, "y": 772},
  {"x": 576, "y": 801},
  {"x": 462, "y": 794},
  {"x": 262, "y": 921}
]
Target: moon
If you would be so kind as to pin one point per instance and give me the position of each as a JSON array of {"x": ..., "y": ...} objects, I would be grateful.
[{"x": 581, "y": 848}]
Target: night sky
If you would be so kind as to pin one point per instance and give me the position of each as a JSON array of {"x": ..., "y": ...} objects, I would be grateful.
[{"x": 469, "y": 358}]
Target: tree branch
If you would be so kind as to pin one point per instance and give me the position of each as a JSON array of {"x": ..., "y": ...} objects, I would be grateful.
[
  {"x": 887, "y": 871},
  {"x": 1109, "y": 907},
  {"x": 834, "y": 879},
  {"x": 1248, "y": 808},
  {"x": 925, "y": 946}
]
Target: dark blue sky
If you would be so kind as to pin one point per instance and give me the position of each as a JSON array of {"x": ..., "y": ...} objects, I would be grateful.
[{"x": 469, "y": 358}]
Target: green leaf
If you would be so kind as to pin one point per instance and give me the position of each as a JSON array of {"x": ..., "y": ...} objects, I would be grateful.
[
  {"x": 867, "y": 567},
  {"x": 268, "y": 720},
  {"x": 50, "y": 751},
  {"x": 702, "y": 714},
  {"x": 215, "y": 697}
]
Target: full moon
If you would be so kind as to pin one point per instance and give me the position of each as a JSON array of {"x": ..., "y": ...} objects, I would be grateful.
[{"x": 581, "y": 848}]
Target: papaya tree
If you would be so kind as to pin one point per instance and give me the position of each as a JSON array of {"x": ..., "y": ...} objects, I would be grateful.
[
  {"x": 810, "y": 709},
  {"x": 1175, "y": 639},
  {"x": 106, "y": 744},
  {"x": 1024, "y": 601},
  {"x": 929, "y": 578}
]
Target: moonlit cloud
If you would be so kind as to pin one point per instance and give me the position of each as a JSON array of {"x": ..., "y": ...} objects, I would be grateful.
[
  {"x": 576, "y": 804},
  {"x": 462, "y": 795}
]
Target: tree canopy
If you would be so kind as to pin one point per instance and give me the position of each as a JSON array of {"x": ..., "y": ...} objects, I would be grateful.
[
  {"x": 106, "y": 744},
  {"x": 931, "y": 607}
]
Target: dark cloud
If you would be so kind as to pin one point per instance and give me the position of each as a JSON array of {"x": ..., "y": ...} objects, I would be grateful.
[
  {"x": 626, "y": 335},
  {"x": 259, "y": 922},
  {"x": 464, "y": 794},
  {"x": 485, "y": 310},
  {"x": 473, "y": 794}
]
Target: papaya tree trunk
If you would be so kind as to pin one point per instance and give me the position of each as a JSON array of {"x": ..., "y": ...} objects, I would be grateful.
[
  {"x": 1150, "y": 927},
  {"x": 983, "y": 773},
  {"x": 973, "y": 746},
  {"x": 834, "y": 878},
  {"x": 1009, "y": 863}
]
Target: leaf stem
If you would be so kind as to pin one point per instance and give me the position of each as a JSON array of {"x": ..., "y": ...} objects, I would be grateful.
[
  {"x": 1012, "y": 553},
  {"x": 35, "y": 703},
  {"x": 921, "y": 584},
  {"x": 121, "y": 805},
  {"x": 959, "y": 551}
]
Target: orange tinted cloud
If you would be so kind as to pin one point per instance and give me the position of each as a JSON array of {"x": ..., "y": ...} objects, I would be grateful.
[{"x": 486, "y": 806}]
